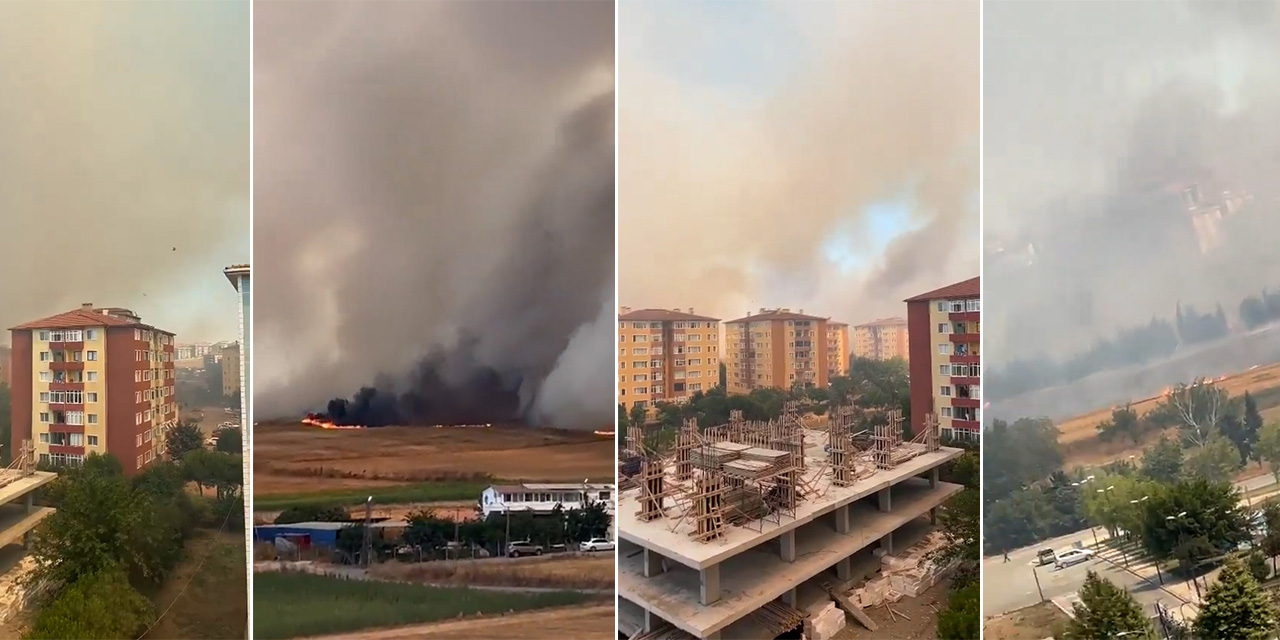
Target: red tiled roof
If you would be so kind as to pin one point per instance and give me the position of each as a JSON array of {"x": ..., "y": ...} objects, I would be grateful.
[
  {"x": 80, "y": 318},
  {"x": 971, "y": 288},
  {"x": 775, "y": 315},
  {"x": 662, "y": 315}
]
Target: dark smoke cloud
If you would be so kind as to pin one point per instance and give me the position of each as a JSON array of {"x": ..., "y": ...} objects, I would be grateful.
[
  {"x": 877, "y": 101},
  {"x": 1094, "y": 113},
  {"x": 436, "y": 183}
]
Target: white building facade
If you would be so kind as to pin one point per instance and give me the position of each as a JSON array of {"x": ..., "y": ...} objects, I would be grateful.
[{"x": 543, "y": 498}]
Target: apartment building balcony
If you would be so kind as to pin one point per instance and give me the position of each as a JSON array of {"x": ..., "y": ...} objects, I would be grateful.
[
  {"x": 66, "y": 386},
  {"x": 967, "y": 425},
  {"x": 965, "y": 316},
  {"x": 66, "y": 365},
  {"x": 965, "y": 381},
  {"x": 66, "y": 346},
  {"x": 66, "y": 406},
  {"x": 66, "y": 449},
  {"x": 970, "y": 403},
  {"x": 967, "y": 359},
  {"x": 59, "y": 427},
  {"x": 965, "y": 338}
]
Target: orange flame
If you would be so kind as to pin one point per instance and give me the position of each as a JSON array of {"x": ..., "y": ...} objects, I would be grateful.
[
  {"x": 328, "y": 425},
  {"x": 605, "y": 433}
]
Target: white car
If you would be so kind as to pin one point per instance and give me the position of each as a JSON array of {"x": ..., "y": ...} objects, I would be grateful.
[
  {"x": 1072, "y": 557},
  {"x": 596, "y": 544}
]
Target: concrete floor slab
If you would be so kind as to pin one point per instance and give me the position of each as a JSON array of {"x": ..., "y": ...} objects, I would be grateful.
[
  {"x": 15, "y": 521},
  {"x": 678, "y": 546},
  {"x": 757, "y": 575},
  {"x": 22, "y": 486}
]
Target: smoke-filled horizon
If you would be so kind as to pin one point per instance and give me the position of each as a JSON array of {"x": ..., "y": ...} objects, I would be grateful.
[
  {"x": 434, "y": 182},
  {"x": 821, "y": 156},
  {"x": 1098, "y": 117},
  {"x": 124, "y": 160}
]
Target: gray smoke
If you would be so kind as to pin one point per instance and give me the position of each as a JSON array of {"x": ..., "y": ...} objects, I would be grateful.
[
  {"x": 854, "y": 104},
  {"x": 435, "y": 178},
  {"x": 1096, "y": 114},
  {"x": 124, "y": 160}
]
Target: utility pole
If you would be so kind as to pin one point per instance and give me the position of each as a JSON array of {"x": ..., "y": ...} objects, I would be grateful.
[{"x": 367, "y": 547}]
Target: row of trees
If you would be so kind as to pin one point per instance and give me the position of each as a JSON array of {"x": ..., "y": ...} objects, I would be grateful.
[
  {"x": 113, "y": 535},
  {"x": 1235, "y": 606},
  {"x": 1140, "y": 344},
  {"x": 960, "y": 522}
]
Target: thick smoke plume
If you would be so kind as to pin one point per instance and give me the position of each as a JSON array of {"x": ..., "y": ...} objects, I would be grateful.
[
  {"x": 124, "y": 160},
  {"x": 1098, "y": 116},
  {"x": 434, "y": 182},
  {"x": 733, "y": 187}
]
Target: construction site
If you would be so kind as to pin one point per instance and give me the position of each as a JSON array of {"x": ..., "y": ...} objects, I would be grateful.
[
  {"x": 769, "y": 529},
  {"x": 18, "y": 516}
]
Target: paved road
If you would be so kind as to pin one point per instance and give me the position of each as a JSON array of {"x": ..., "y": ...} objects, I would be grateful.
[{"x": 1012, "y": 585}]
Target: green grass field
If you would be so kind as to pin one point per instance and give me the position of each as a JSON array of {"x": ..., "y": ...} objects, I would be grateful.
[
  {"x": 421, "y": 492},
  {"x": 292, "y": 605}
]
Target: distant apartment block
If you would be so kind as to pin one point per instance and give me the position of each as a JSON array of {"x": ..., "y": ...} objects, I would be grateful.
[
  {"x": 776, "y": 348},
  {"x": 230, "y": 369},
  {"x": 665, "y": 355},
  {"x": 883, "y": 339},
  {"x": 946, "y": 360},
  {"x": 93, "y": 380},
  {"x": 837, "y": 349}
]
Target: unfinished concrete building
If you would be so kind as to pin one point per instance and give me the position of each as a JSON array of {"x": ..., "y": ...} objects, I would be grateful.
[
  {"x": 759, "y": 530},
  {"x": 18, "y": 516}
]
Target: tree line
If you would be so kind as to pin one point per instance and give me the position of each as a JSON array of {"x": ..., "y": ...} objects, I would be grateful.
[
  {"x": 113, "y": 536},
  {"x": 1137, "y": 344}
]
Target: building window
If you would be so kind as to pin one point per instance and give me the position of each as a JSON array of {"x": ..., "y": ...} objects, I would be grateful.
[
  {"x": 44, "y": 417},
  {"x": 77, "y": 439},
  {"x": 44, "y": 396},
  {"x": 44, "y": 336},
  {"x": 45, "y": 356},
  {"x": 44, "y": 438},
  {"x": 973, "y": 305},
  {"x": 91, "y": 334},
  {"x": 93, "y": 418},
  {"x": 93, "y": 376},
  {"x": 944, "y": 349},
  {"x": 945, "y": 392},
  {"x": 46, "y": 376},
  {"x": 91, "y": 356},
  {"x": 91, "y": 397},
  {"x": 946, "y": 412}
]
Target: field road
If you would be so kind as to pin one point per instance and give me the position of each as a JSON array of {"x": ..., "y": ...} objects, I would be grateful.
[{"x": 594, "y": 621}]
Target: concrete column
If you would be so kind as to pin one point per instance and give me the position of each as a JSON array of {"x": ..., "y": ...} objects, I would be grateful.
[
  {"x": 844, "y": 569},
  {"x": 842, "y": 519},
  {"x": 933, "y": 516},
  {"x": 886, "y": 542},
  {"x": 650, "y": 621},
  {"x": 788, "y": 541},
  {"x": 30, "y": 502},
  {"x": 885, "y": 502},
  {"x": 652, "y": 563},
  {"x": 790, "y": 597},
  {"x": 709, "y": 580},
  {"x": 712, "y": 636},
  {"x": 933, "y": 478}
]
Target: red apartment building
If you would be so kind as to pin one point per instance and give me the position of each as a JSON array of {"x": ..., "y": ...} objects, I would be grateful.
[
  {"x": 944, "y": 328},
  {"x": 93, "y": 381}
]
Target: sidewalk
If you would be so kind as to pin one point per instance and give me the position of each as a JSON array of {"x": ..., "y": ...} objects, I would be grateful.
[{"x": 1131, "y": 557}]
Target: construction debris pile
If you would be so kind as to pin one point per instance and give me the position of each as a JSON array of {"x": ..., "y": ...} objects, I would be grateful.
[
  {"x": 909, "y": 574},
  {"x": 747, "y": 473}
]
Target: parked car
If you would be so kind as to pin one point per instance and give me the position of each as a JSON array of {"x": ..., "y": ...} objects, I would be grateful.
[
  {"x": 596, "y": 544},
  {"x": 523, "y": 548},
  {"x": 1046, "y": 556},
  {"x": 1072, "y": 557}
]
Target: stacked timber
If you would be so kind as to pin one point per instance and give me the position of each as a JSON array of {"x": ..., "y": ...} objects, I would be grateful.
[{"x": 715, "y": 456}]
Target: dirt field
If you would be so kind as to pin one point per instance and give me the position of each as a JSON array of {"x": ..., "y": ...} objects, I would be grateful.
[
  {"x": 292, "y": 458},
  {"x": 918, "y": 619},
  {"x": 456, "y": 510},
  {"x": 577, "y": 571},
  {"x": 593, "y": 621},
  {"x": 1036, "y": 622},
  {"x": 1079, "y": 435}
]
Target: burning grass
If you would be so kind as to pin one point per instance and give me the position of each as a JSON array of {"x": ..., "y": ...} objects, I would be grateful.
[
  {"x": 306, "y": 604},
  {"x": 564, "y": 571}
]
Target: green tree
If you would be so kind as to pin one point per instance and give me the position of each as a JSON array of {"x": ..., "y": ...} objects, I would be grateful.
[
  {"x": 1268, "y": 447},
  {"x": 1271, "y": 539},
  {"x": 1236, "y": 607},
  {"x": 1191, "y": 519},
  {"x": 638, "y": 417},
  {"x": 98, "y": 606},
  {"x": 229, "y": 440},
  {"x": 1107, "y": 611},
  {"x": 962, "y": 619},
  {"x": 959, "y": 521},
  {"x": 183, "y": 439},
  {"x": 1124, "y": 423},
  {"x": 1252, "y": 426},
  {"x": 1257, "y": 564},
  {"x": 1216, "y": 460},
  {"x": 313, "y": 514},
  {"x": 1163, "y": 461}
]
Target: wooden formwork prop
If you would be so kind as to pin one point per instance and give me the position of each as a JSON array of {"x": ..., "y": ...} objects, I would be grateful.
[
  {"x": 840, "y": 448},
  {"x": 22, "y": 466},
  {"x": 708, "y": 505},
  {"x": 635, "y": 440},
  {"x": 653, "y": 490},
  {"x": 933, "y": 437},
  {"x": 685, "y": 443}
]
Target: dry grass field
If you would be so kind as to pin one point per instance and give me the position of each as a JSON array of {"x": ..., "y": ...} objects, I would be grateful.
[
  {"x": 293, "y": 458},
  {"x": 1079, "y": 435},
  {"x": 1031, "y": 623},
  {"x": 577, "y": 571},
  {"x": 594, "y": 621}
]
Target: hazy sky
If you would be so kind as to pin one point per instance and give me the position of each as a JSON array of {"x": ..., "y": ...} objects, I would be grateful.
[
  {"x": 811, "y": 155},
  {"x": 124, "y": 160},
  {"x": 1092, "y": 111}
]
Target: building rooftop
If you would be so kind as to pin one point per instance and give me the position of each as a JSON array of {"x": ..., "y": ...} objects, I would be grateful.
[
  {"x": 88, "y": 316},
  {"x": 661, "y": 315},
  {"x": 236, "y": 270},
  {"x": 971, "y": 288},
  {"x": 776, "y": 314},
  {"x": 885, "y": 322},
  {"x": 559, "y": 486}
]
